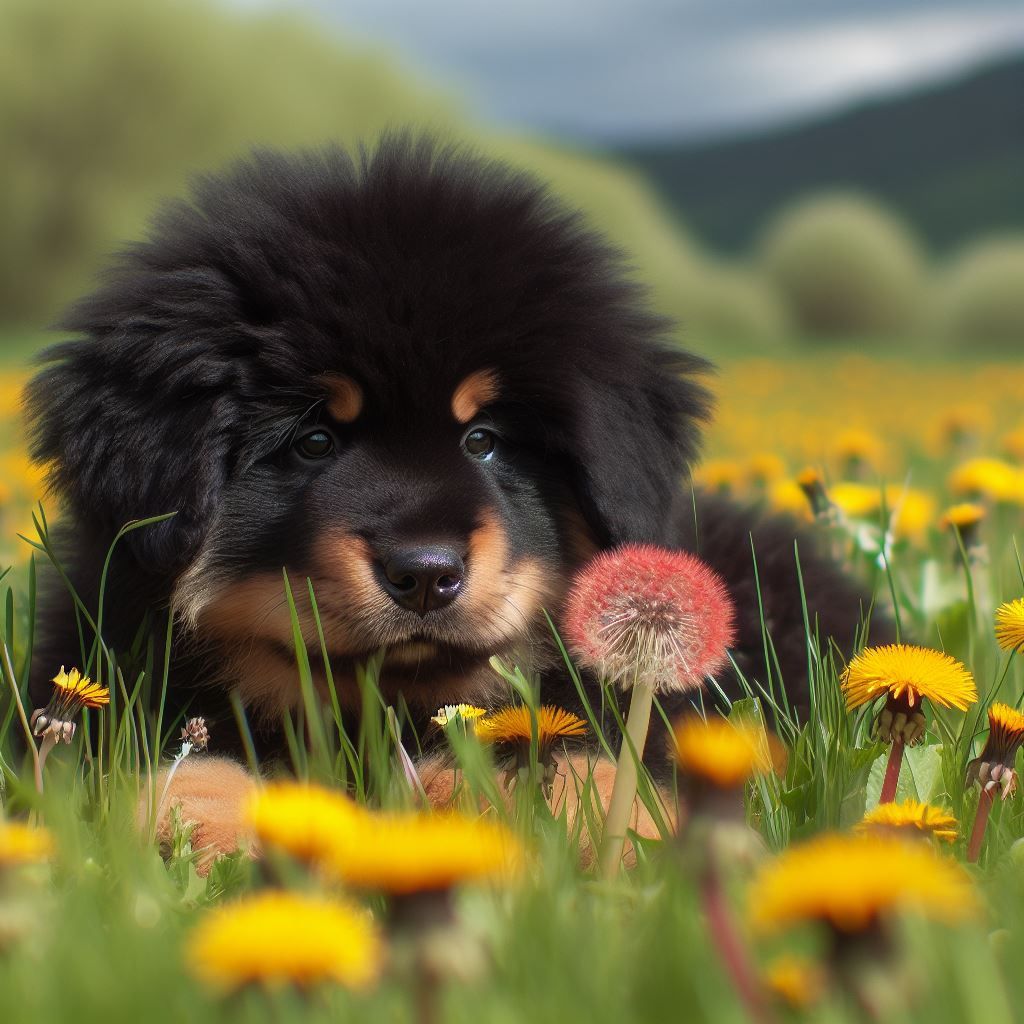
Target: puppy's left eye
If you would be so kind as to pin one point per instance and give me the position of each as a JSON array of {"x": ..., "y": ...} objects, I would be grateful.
[
  {"x": 315, "y": 445},
  {"x": 479, "y": 443}
]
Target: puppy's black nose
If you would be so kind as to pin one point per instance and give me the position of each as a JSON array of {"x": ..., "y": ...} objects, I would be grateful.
[{"x": 424, "y": 578}]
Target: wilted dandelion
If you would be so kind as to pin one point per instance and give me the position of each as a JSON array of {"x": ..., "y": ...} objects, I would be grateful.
[
  {"x": 910, "y": 818},
  {"x": 907, "y": 676},
  {"x": 195, "y": 734},
  {"x": 1010, "y": 625},
  {"x": 653, "y": 620},
  {"x": 851, "y": 883},
  {"x": 71, "y": 692},
  {"x": 23, "y": 844},
  {"x": 56, "y": 722},
  {"x": 994, "y": 768},
  {"x": 286, "y": 938}
]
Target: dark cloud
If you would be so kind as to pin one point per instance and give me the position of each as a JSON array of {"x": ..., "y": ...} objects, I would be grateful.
[{"x": 601, "y": 70}]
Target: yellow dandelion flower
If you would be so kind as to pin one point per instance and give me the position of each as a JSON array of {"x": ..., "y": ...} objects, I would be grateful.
[
  {"x": 23, "y": 844},
  {"x": 850, "y": 882},
  {"x": 79, "y": 691},
  {"x": 909, "y": 816},
  {"x": 279, "y": 938},
  {"x": 787, "y": 496},
  {"x": 986, "y": 478},
  {"x": 718, "y": 475},
  {"x": 71, "y": 692},
  {"x": 764, "y": 468},
  {"x": 812, "y": 483},
  {"x": 721, "y": 752},
  {"x": 1005, "y": 735},
  {"x": 1010, "y": 625},
  {"x": 797, "y": 981},
  {"x": 1013, "y": 444},
  {"x": 966, "y": 514},
  {"x": 411, "y": 852},
  {"x": 301, "y": 819},
  {"x": 858, "y": 446},
  {"x": 908, "y": 674},
  {"x": 457, "y": 712},
  {"x": 514, "y": 725},
  {"x": 856, "y": 500},
  {"x": 911, "y": 511}
]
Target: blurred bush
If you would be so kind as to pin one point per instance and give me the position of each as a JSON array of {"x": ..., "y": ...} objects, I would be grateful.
[
  {"x": 980, "y": 298},
  {"x": 108, "y": 105},
  {"x": 844, "y": 267},
  {"x": 735, "y": 304}
]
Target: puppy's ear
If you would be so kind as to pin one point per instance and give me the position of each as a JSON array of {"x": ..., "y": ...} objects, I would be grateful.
[
  {"x": 637, "y": 432},
  {"x": 132, "y": 426}
]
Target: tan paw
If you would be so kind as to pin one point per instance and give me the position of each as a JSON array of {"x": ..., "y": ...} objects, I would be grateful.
[
  {"x": 212, "y": 793},
  {"x": 584, "y": 802},
  {"x": 583, "y": 789}
]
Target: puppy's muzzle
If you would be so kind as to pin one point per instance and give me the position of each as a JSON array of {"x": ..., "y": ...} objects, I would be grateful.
[{"x": 423, "y": 579}]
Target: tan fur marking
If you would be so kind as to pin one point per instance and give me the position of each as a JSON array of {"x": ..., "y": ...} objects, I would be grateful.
[
  {"x": 475, "y": 391},
  {"x": 252, "y": 608},
  {"x": 212, "y": 792},
  {"x": 443, "y": 784},
  {"x": 572, "y": 792},
  {"x": 345, "y": 401}
]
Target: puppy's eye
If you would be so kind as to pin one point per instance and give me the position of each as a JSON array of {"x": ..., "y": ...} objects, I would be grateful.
[
  {"x": 479, "y": 443},
  {"x": 315, "y": 445}
]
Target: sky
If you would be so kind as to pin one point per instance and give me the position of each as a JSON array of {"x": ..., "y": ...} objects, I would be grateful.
[{"x": 602, "y": 72}]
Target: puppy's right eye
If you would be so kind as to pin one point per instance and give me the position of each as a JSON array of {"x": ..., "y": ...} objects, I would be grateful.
[{"x": 315, "y": 445}]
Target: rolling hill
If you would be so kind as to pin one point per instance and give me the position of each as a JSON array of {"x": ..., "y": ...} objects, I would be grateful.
[{"x": 949, "y": 158}]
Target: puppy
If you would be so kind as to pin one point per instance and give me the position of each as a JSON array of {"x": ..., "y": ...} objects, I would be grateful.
[{"x": 413, "y": 380}]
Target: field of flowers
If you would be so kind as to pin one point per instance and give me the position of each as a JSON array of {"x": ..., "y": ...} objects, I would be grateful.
[{"x": 866, "y": 864}]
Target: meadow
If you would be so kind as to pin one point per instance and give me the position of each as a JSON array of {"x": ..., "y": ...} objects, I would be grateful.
[{"x": 912, "y": 469}]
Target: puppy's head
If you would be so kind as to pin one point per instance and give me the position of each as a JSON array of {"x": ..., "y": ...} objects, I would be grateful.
[{"x": 414, "y": 381}]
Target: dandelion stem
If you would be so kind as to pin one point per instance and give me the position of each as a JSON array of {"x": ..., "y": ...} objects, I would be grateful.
[
  {"x": 49, "y": 742},
  {"x": 729, "y": 945},
  {"x": 626, "y": 772},
  {"x": 892, "y": 772},
  {"x": 980, "y": 822},
  {"x": 8, "y": 670}
]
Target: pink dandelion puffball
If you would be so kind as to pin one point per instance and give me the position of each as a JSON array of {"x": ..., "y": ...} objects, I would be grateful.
[{"x": 643, "y": 613}]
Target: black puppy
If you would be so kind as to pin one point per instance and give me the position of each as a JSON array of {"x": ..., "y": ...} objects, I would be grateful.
[{"x": 413, "y": 379}]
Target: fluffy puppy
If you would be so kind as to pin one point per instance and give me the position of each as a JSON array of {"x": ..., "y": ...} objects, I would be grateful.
[{"x": 412, "y": 379}]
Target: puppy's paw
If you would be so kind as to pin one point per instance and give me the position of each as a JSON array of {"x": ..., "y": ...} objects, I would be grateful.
[
  {"x": 583, "y": 790},
  {"x": 212, "y": 794}
]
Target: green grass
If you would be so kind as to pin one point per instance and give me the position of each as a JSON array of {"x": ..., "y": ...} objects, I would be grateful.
[{"x": 99, "y": 935}]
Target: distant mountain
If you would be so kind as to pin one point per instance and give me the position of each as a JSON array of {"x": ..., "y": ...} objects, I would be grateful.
[{"x": 949, "y": 158}]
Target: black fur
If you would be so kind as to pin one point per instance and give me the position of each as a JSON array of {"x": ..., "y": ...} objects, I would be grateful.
[{"x": 209, "y": 349}]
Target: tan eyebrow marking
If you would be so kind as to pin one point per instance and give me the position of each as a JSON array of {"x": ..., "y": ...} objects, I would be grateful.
[
  {"x": 345, "y": 402},
  {"x": 475, "y": 391}
]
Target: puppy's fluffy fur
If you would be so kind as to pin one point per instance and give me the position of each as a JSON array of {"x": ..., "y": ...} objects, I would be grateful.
[{"x": 320, "y": 364}]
